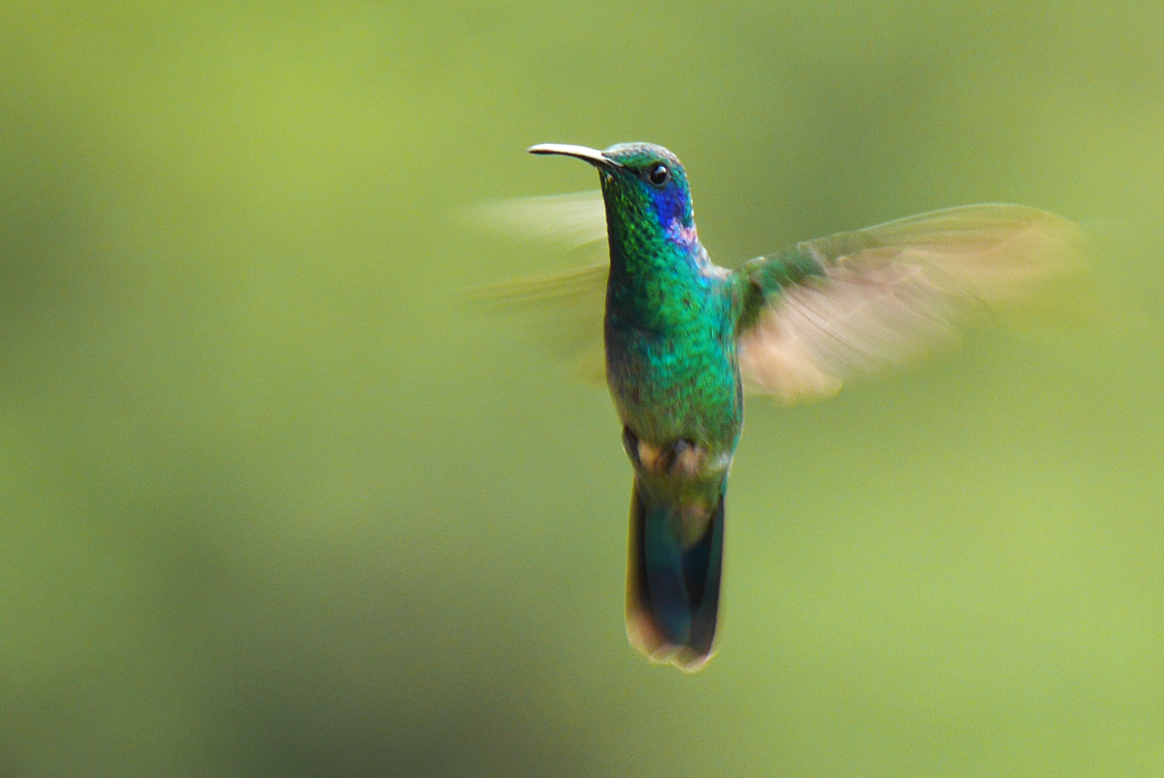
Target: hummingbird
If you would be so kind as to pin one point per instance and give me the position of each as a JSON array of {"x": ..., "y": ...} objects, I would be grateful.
[{"x": 684, "y": 338}]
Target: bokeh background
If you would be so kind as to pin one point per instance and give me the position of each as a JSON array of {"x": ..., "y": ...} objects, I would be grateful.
[{"x": 276, "y": 500}]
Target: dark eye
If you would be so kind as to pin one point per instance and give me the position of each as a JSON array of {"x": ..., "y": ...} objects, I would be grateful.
[{"x": 659, "y": 175}]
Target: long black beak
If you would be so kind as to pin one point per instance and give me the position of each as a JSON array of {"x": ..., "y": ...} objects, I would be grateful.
[{"x": 593, "y": 156}]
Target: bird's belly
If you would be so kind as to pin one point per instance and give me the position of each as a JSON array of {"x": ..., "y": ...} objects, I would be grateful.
[{"x": 666, "y": 394}]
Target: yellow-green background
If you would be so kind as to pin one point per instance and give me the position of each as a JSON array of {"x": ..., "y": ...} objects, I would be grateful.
[{"x": 275, "y": 500}]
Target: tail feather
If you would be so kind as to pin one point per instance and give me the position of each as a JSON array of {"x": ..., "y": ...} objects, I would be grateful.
[{"x": 673, "y": 582}]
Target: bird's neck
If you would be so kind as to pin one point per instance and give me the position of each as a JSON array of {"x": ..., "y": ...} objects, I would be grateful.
[{"x": 660, "y": 276}]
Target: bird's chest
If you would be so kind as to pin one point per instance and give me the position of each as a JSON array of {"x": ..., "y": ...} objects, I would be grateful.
[{"x": 678, "y": 385}]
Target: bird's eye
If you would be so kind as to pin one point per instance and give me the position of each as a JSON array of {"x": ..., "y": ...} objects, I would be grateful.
[{"x": 659, "y": 175}]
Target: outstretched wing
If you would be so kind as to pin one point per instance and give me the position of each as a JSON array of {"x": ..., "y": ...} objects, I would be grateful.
[
  {"x": 859, "y": 302},
  {"x": 563, "y": 309}
]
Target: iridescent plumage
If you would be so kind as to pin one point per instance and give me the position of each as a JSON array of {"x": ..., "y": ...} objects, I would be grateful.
[{"x": 682, "y": 335}]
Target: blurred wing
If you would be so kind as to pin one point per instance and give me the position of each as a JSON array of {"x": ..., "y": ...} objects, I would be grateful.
[
  {"x": 564, "y": 221},
  {"x": 563, "y": 309},
  {"x": 859, "y": 302}
]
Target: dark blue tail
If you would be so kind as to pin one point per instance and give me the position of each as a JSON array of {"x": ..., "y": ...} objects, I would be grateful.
[{"x": 673, "y": 579}]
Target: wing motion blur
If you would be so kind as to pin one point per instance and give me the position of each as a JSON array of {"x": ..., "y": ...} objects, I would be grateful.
[
  {"x": 824, "y": 311},
  {"x": 567, "y": 221},
  {"x": 856, "y": 303},
  {"x": 564, "y": 308}
]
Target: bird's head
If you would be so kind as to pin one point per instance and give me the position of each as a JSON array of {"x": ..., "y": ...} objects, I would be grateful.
[{"x": 645, "y": 189}]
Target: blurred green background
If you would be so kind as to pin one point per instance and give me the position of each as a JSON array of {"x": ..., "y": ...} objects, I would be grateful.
[{"x": 275, "y": 500}]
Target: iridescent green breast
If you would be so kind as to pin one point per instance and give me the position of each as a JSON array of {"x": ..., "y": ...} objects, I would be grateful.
[{"x": 679, "y": 381}]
